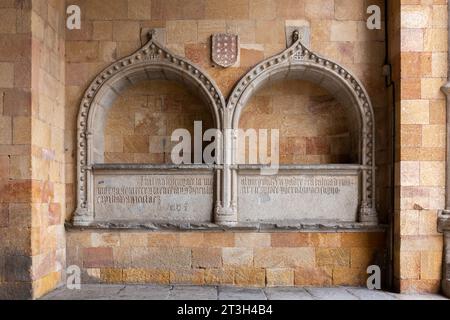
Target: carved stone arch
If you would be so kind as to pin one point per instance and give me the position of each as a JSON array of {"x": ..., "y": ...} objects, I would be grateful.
[
  {"x": 298, "y": 62},
  {"x": 150, "y": 62}
]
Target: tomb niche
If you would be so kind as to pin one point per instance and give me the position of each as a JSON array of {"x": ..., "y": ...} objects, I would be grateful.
[
  {"x": 325, "y": 174},
  {"x": 126, "y": 176},
  {"x": 326, "y": 170}
]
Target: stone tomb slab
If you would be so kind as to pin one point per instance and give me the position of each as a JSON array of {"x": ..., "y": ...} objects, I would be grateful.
[
  {"x": 121, "y": 196},
  {"x": 315, "y": 196}
]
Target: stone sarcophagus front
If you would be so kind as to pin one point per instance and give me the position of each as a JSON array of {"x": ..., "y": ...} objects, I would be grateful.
[
  {"x": 314, "y": 194},
  {"x": 226, "y": 192},
  {"x": 146, "y": 193}
]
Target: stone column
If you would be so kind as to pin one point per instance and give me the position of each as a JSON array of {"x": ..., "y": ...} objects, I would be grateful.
[
  {"x": 367, "y": 212},
  {"x": 226, "y": 208},
  {"x": 446, "y": 90},
  {"x": 444, "y": 226},
  {"x": 446, "y": 269},
  {"x": 444, "y": 216},
  {"x": 84, "y": 214}
]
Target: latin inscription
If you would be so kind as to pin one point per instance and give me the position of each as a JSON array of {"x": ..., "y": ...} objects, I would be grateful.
[
  {"x": 295, "y": 185},
  {"x": 157, "y": 197},
  {"x": 298, "y": 197}
]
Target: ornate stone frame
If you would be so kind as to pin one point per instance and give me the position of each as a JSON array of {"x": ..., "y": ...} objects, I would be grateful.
[
  {"x": 299, "y": 61},
  {"x": 444, "y": 215},
  {"x": 152, "y": 61}
]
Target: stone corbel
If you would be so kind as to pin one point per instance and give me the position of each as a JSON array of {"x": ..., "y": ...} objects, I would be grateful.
[{"x": 444, "y": 216}]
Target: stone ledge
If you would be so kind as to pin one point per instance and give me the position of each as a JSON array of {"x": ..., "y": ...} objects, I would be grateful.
[
  {"x": 444, "y": 221},
  {"x": 255, "y": 227},
  {"x": 282, "y": 167},
  {"x": 135, "y": 167}
]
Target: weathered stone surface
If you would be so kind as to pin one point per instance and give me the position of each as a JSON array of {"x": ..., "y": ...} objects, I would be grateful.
[
  {"x": 146, "y": 276},
  {"x": 364, "y": 294},
  {"x": 241, "y": 294},
  {"x": 253, "y": 240},
  {"x": 170, "y": 240},
  {"x": 292, "y": 239},
  {"x": 111, "y": 276},
  {"x": 87, "y": 292},
  {"x": 331, "y": 294},
  {"x": 298, "y": 198},
  {"x": 343, "y": 276},
  {"x": 193, "y": 293},
  {"x": 219, "y": 276},
  {"x": 219, "y": 239},
  {"x": 287, "y": 294},
  {"x": 284, "y": 257},
  {"x": 153, "y": 197},
  {"x": 316, "y": 277},
  {"x": 161, "y": 258},
  {"x": 333, "y": 257},
  {"x": 253, "y": 277},
  {"x": 280, "y": 277},
  {"x": 207, "y": 258},
  {"x": 143, "y": 293},
  {"x": 98, "y": 257},
  {"x": 237, "y": 257},
  {"x": 151, "y": 292},
  {"x": 422, "y": 71},
  {"x": 187, "y": 276},
  {"x": 363, "y": 240}
]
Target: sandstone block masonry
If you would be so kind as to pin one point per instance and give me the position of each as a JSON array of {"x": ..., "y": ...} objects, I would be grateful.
[
  {"x": 217, "y": 258},
  {"x": 44, "y": 70}
]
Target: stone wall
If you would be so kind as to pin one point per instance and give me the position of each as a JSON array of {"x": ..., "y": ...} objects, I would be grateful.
[
  {"x": 314, "y": 128},
  {"x": 114, "y": 29},
  {"x": 217, "y": 258},
  {"x": 40, "y": 93},
  {"x": 32, "y": 246},
  {"x": 421, "y": 70},
  {"x": 141, "y": 122},
  {"x": 15, "y": 149},
  {"x": 48, "y": 145}
]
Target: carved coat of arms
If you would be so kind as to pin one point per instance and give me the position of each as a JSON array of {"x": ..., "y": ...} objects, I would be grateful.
[{"x": 225, "y": 49}]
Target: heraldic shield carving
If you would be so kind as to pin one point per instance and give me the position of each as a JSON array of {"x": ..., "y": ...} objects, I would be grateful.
[{"x": 225, "y": 49}]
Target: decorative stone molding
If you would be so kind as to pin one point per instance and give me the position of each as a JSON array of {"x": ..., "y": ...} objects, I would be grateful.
[
  {"x": 446, "y": 90},
  {"x": 152, "y": 61},
  {"x": 444, "y": 216},
  {"x": 446, "y": 268},
  {"x": 300, "y": 62}
]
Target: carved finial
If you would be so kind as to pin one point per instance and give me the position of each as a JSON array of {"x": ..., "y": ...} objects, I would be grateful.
[
  {"x": 296, "y": 36},
  {"x": 151, "y": 34}
]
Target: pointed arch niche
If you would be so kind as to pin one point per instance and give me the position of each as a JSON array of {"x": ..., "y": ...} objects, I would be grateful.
[
  {"x": 112, "y": 193},
  {"x": 342, "y": 193}
]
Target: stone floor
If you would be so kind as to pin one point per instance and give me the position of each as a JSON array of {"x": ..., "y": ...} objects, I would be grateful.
[{"x": 130, "y": 292}]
